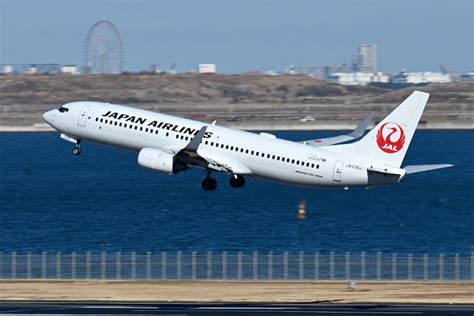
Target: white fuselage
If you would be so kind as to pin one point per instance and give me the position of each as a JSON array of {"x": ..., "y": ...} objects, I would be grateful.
[{"x": 263, "y": 154}]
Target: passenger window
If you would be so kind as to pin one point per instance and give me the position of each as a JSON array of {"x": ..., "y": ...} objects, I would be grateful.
[
  {"x": 251, "y": 152},
  {"x": 146, "y": 129},
  {"x": 268, "y": 155},
  {"x": 241, "y": 150},
  {"x": 292, "y": 161},
  {"x": 273, "y": 157},
  {"x": 231, "y": 147},
  {"x": 246, "y": 151},
  {"x": 317, "y": 166},
  {"x": 101, "y": 120},
  {"x": 141, "y": 128},
  {"x": 205, "y": 142},
  {"x": 312, "y": 165},
  {"x": 167, "y": 134},
  {"x": 278, "y": 158},
  {"x": 156, "y": 132},
  {"x": 226, "y": 146}
]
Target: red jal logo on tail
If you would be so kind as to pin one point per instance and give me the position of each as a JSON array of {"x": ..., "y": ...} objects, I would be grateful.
[{"x": 390, "y": 137}]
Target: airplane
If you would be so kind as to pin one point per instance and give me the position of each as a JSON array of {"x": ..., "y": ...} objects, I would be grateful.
[{"x": 172, "y": 144}]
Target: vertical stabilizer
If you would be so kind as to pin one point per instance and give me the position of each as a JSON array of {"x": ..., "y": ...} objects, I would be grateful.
[{"x": 388, "y": 142}]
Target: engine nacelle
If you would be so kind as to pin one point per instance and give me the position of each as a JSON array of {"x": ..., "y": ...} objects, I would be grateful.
[{"x": 159, "y": 160}]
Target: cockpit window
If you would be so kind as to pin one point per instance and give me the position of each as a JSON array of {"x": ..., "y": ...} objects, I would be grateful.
[{"x": 63, "y": 109}]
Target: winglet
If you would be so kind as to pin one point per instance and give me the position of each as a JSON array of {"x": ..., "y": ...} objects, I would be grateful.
[
  {"x": 360, "y": 130},
  {"x": 196, "y": 141}
]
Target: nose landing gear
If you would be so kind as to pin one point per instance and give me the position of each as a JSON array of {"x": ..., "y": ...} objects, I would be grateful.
[
  {"x": 209, "y": 184},
  {"x": 76, "y": 150},
  {"x": 237, "y": 181}
]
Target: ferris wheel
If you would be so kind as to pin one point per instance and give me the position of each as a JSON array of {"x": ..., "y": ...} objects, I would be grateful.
[{"x": 103, "y": 50}]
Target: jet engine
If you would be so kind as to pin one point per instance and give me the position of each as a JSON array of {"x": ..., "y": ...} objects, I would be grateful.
[{"x": 159, "y": 160}]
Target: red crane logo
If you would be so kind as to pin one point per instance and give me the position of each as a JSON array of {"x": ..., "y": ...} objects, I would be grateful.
[{"x": 390, "y": 137}]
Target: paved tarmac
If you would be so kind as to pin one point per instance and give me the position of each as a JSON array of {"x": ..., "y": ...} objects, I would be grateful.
[{"x": 321, "y": 308}]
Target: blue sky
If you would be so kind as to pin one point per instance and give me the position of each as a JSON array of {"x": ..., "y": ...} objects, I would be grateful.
[{"x": 245, "y": 35}]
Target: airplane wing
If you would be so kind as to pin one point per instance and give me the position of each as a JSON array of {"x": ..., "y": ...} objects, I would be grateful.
[
  {"x": 192, "y": 154},
  {"x": 356, "y": 134}
]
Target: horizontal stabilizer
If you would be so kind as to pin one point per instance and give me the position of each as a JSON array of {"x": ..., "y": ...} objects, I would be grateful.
[
  {"x": 423, "y": 168},
  {"x": 356, "y": 134}
]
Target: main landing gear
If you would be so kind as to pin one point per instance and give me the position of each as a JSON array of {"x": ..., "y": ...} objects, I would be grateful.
[
  {"x": 237, "y": 181},
  {"x": 77, "y": 149},
  {"x": 209, "y": 184}
]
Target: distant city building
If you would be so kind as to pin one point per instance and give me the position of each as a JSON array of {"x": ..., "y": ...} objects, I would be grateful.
[
  {"x": 31, "y": 69},
  {"x": 207, "y": 68},
  {"x": 358, "y": 78},
  {"x": 366, "y": 59},
  {"x": 324, "y": 72},
  {"x": 290, "y": 69},
  {"x": 420, "y": 77}
]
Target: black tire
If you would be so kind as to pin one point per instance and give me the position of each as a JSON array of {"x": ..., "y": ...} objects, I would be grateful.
[
  {"x": 76, "y": 151},
  {"x": 237, "y": 181},
  {"x": 209, "y": 184}
]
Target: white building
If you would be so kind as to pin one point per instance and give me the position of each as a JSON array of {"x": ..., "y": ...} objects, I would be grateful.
[
  {"x": 8, "y": 69},
  {"x": 69, "y": 69},
  {"x": 207, "y": 68},
  {"x": 421, "y": 77},
  {"x": 358, "y": 78}
]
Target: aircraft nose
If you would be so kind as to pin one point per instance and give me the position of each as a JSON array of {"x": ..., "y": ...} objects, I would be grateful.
[{"x": 48, "y": 116}]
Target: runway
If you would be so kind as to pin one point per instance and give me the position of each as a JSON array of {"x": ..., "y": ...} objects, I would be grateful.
[{"x": 230, "y": 309}]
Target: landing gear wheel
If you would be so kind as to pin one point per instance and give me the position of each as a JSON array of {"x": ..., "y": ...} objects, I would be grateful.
[
  {"x": 209, "y": 184},
  {"x": 77, "y": 150},
  {"x": 237, "y": 181}
]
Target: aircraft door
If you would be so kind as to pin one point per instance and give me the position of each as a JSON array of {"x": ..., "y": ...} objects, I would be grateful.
[
  {"x": 338, "y": 170},
  {"x": 83, "y": 116}
]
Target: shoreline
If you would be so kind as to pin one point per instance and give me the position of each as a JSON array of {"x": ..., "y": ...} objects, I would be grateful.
[{"x": 396, "y": 292}]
